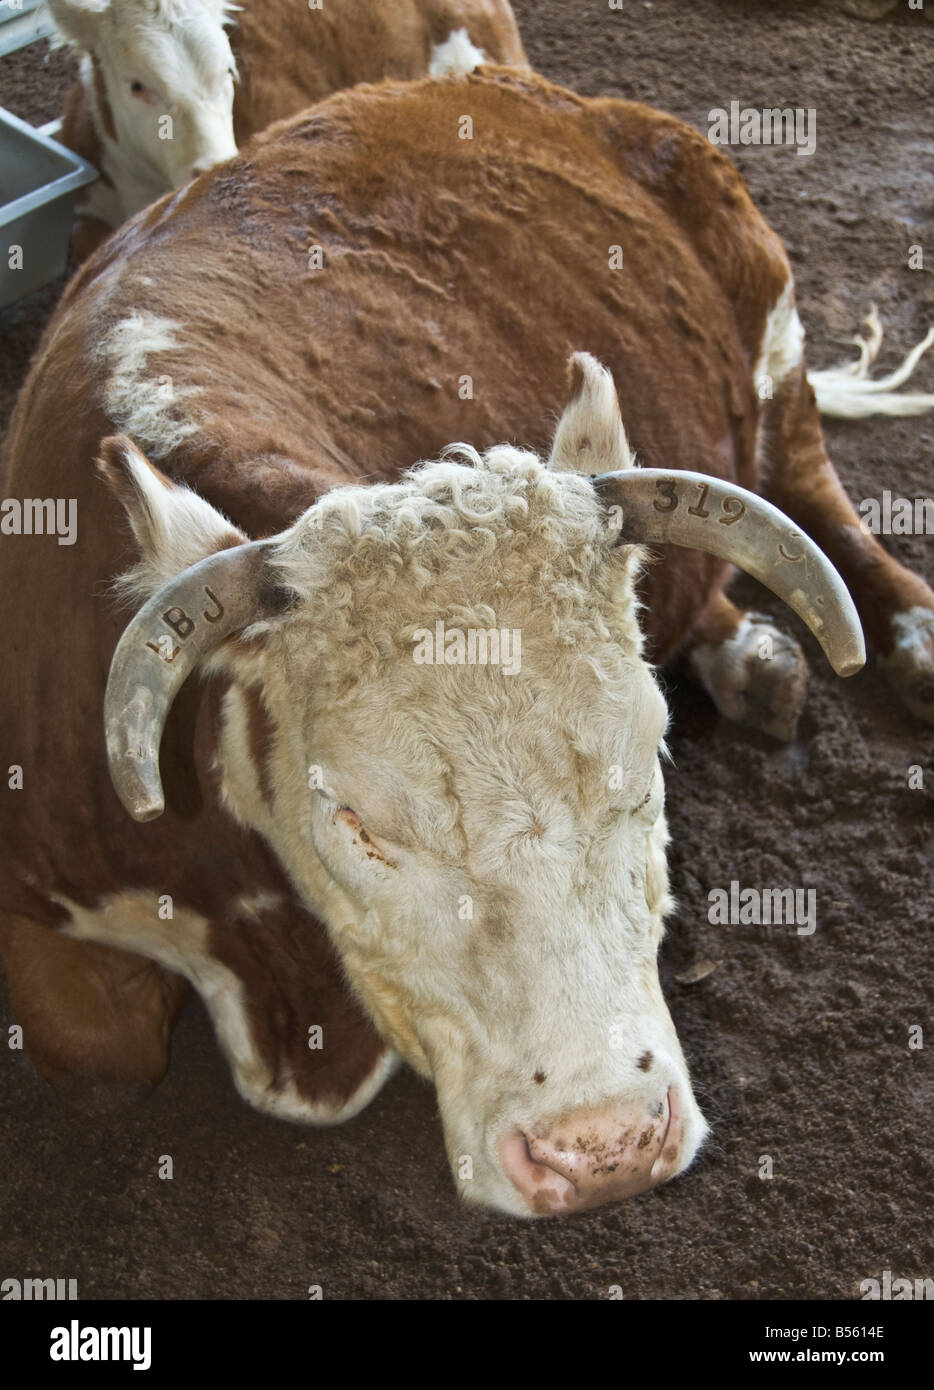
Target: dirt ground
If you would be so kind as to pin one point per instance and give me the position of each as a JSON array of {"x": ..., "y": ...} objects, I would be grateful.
[{"x": 799, "y": 1045}]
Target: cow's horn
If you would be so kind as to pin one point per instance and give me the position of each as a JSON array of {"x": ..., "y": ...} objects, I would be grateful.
[
  {"x": 180, "y": 625},
  {"x": 703, "y": 513}
]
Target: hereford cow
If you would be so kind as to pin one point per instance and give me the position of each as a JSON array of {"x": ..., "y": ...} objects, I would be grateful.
[
  {"x": 375, "y": 834},
  {"x": 165, "y": 92}
]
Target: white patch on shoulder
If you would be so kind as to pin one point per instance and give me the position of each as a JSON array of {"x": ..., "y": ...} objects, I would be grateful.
[
  {"x": 130, "y": 922},
  {"x": 142, "y": 402},
  {"x": 782, "y": 342},
  {"x": 456, "y": 55}
]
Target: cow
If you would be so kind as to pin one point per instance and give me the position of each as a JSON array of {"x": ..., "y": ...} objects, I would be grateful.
[
  {"x": 165, "y": 91},
  {"x": 359, "y": 842}
]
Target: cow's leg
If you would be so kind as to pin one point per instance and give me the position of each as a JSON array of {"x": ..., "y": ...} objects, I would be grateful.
[
  {"x": 896, "y": 606},
  {"x": 96, "y": 1021},
  {"x": 754, "y": 673}
]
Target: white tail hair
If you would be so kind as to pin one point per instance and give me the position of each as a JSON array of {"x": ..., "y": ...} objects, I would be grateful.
[{"x": 850, "y": 393}]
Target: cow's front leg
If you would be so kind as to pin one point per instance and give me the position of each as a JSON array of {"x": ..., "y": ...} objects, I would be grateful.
[
  {"x": 896, "y": 606},
  {"x": 753, "y": 672},
  {"x": 96, "y": 1021}
]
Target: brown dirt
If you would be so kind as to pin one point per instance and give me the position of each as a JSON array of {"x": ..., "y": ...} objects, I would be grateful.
[{"x": 799, "y": 1045}]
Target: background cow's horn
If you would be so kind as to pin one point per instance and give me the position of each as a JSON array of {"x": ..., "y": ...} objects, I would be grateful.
[
  {"x": 181, "y": 624},
  {"x": 703, "y": 513}
]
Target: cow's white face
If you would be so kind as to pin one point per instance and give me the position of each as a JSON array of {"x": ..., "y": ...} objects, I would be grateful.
[
  {"x": 489, "y": 854},
  {"x": 485, "y": 843},
  {"x": 162, "y": 74}
]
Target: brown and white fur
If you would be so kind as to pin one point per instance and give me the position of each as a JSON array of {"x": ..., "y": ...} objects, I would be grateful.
[{"x": 334, "y": 809}]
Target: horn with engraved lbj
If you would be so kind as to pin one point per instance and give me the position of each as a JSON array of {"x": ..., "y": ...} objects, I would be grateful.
[
  {"x": 178, "y": 627},
  {"x": 703, "y": 513}
]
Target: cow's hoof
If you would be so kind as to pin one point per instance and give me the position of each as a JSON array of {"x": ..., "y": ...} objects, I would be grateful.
[
  {"x": 909, "y": 666},
  {"x": 757, "y": 677}
]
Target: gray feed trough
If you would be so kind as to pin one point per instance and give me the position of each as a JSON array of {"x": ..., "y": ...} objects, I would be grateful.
[
  {"x": 39, "y": 181},
  {"x": 21, "y": 23}
]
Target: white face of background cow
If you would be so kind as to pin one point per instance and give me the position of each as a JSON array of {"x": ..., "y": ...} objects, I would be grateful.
[
  {"x": 485, "y": 842},
  {"x": 162, "y": 77}
]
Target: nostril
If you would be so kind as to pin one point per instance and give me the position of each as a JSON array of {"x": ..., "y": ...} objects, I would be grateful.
[{"x": 544, "y": 1186}]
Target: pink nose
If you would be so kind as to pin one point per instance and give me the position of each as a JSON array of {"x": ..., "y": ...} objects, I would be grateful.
[{"x": 589, "y": 1157}]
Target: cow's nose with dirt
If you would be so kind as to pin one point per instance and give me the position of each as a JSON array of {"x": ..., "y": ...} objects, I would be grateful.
[{"x": 589, "y": 1157}]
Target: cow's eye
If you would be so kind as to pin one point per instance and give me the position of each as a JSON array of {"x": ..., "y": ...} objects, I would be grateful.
[
  {"x": 349, "y": 817},
  {"x": 140, "y": 90},
  {"x": 648, "y": 808},
  {"x": 372, "y": 846}
]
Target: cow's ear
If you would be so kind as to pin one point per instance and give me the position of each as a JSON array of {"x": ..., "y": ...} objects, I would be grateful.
[
  {"x": 590, "y": 437},
  {"x": 77, "y": 20},
  {"x": 174, "y": 527}
]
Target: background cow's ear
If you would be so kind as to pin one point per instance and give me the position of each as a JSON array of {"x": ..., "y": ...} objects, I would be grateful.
[
  {"x": 174, "y": 527},
  {"x": 76, "y": 20},
  {"x": 590, "y": 437}
]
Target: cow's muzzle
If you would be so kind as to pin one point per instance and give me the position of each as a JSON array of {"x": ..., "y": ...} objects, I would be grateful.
[{"x": 589, "y": 1157}]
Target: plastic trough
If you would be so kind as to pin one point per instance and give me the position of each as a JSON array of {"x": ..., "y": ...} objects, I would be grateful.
[{"x": 39, "y": 181}]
